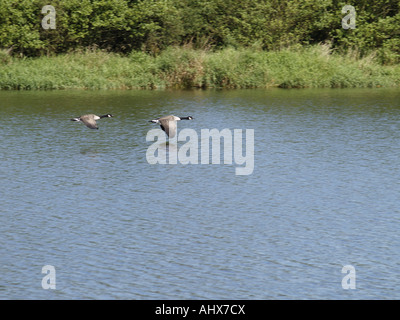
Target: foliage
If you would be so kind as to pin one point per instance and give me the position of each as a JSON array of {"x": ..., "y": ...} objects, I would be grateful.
[
  {"x": 124, "y": 26},
  {"x": 184, "y": 67}
]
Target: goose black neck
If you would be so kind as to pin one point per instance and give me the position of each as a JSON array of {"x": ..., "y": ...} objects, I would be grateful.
[{"x": 105, "y": 116}]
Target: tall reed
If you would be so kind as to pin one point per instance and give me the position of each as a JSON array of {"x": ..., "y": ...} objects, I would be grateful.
[{"x": 185, "y": 67}]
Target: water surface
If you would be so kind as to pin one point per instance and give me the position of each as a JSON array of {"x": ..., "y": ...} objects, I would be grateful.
[{"x": 324, "y": 193}]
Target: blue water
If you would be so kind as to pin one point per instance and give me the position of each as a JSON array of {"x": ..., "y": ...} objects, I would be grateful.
[{"x": 324, "y": 193}]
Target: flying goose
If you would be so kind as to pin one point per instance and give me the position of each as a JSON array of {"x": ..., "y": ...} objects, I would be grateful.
[
  {"x": 168, "y": 124},
  {"x": 90, "y": 119}
]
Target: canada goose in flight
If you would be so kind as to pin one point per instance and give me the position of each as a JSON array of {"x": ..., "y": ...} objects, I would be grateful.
[
  {"x": 90, "y": 119},
  {"x": 168, "y": 124}
]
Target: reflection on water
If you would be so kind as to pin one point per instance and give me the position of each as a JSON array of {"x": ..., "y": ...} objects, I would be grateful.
[
  {"x": 89, "y": 151},
  {"x": 324, "y": 193}
]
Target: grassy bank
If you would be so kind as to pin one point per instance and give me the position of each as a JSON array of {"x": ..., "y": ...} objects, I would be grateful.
[{"x": 181, "y": 67}]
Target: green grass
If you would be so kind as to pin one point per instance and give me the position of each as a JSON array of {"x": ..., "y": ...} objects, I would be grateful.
[{"x": 183, "y": 67}]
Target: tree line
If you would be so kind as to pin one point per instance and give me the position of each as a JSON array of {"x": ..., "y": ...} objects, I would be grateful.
[{"x": 153, "y": 25}]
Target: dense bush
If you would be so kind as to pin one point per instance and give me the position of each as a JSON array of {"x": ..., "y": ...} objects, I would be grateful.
[{"x": 153, "y": 25}]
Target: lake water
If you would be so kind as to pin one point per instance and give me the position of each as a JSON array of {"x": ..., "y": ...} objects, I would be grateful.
[{"x": 324, "y": 193}]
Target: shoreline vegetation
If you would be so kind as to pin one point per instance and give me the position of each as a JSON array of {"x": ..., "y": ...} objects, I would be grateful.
[
  {"x": 149, "y": 44},
  {"x": 183, "y": 67}
]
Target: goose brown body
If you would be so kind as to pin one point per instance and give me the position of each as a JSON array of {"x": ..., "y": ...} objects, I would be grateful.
[
  {"x": 168, "y": 123},
  {"x": 90, "y": 120}
]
